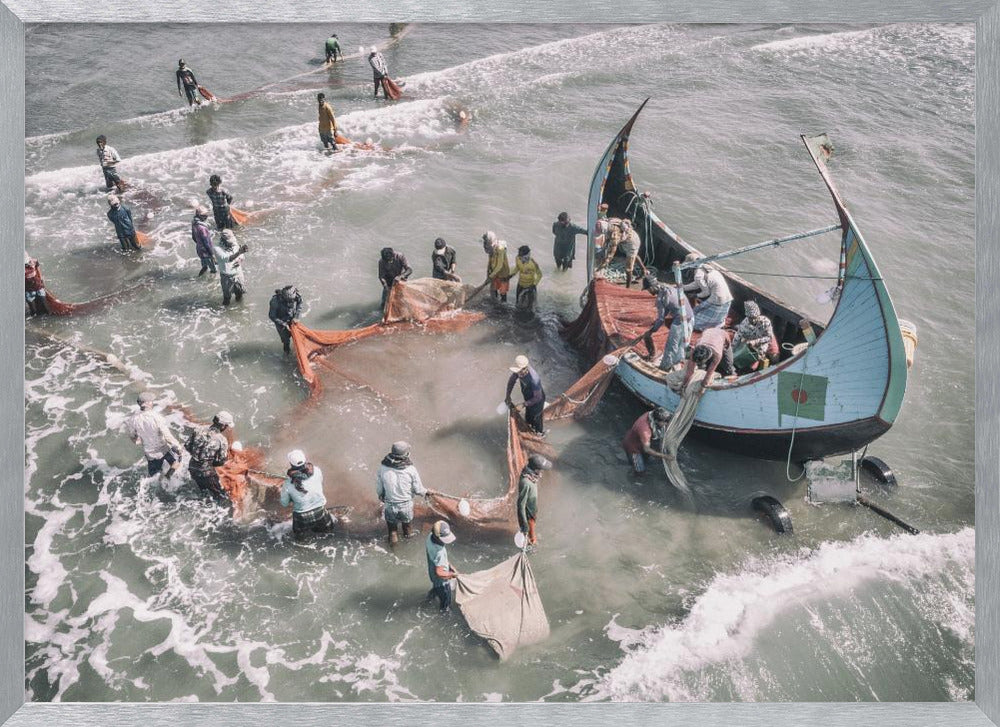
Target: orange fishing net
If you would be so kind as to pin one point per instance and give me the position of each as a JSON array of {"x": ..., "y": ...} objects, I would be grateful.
[
  {"x": 57, "y": 307},
  {"x": 614, "y": 316}
]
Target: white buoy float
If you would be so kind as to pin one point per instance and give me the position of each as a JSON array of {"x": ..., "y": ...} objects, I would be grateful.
[{"x": 464, "y": 508}]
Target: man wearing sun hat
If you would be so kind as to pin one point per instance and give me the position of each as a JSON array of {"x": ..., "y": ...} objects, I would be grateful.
[
  {"x": 531, "y": 390},
  {"x": 439, "y": 569},
  {"x": 396, "y": 483}
]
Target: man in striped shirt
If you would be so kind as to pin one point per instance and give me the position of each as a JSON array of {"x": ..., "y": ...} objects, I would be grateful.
[{"x": 221, "y": 199}]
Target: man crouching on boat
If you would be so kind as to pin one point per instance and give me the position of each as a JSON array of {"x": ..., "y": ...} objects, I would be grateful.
[
  {"x": 669, "y": 302},
  {"x": 713, "y": 351}
]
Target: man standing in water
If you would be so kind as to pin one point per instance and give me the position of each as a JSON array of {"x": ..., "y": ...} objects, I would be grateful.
[
  {"x": 202, "y": 237},
  {"x": 210, "y": 449},
  {"x": 149, "y": 429},
  {"x": 564, "y": 248},
  {"x": 333, "y": 49},
  {"x": 221, "y": 199},
  {"x": 327, "y": 123},
  {"x": 443, "y": 262},
  {"x": 380, "y": 70},
  {"x": 285, "y": 307},
  {"x": 185, "y": 78},
  {"x": 231, "y": 267},
  {"x": 529, "y": 275},
  {"x": 527, "y": 495},
  {"x": 498, "y": 266},
  {"x": 108, "y": 158},
  {"x": 303, "y": 490},
  {"x": 396, "y": 484},
  {"x": 121, "y": 218},
  {"x": 439, "y": 569},
  {"x": 392, "y": 266},
  {"x": 34, "y": 287},
  {"x": 639, "y": 439},
  {"x": 531, "y": 391}
]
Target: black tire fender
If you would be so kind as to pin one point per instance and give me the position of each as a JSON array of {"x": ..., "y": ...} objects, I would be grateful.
[
  {"x": 774, "y": 511},
  {"x": 879, "y": 470}
]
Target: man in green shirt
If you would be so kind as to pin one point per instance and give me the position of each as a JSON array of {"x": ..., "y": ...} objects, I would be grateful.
[
  {"x": 333, "y": 49},
  {"x": 527, "y": 495}
]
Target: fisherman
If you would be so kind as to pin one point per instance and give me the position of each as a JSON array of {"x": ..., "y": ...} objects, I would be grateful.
[
  {"x": 638, "y": 441},
  {"x": 392, "y": 266},
  {"x": 527, "y": 495},
  {"x": 107, "y": 157},
  {"x": 564, "y": 248},
  {"x": 498, "y": 266},
  {"x": 380, "y": 70},
  {"x": 396, "y": 483},
  {"x": 333, "y": 49},
  {"x": 531, "y": 391},
  {"x": 669, "y": 302},
  {"x": 438, "y": 568},
  {"x": 185, "y": 77},
  {"x": 327, "y": 123},
  {"x": 752, "y": 343},
  {"x": 285, "y": 307},
  {"x": 600, "y": 233},
  {"x": 303, "y": 490},
  {"x": 221, "y": 199},
  {"x": 713, "y": 295},
  {"x": 148, "y": 428},
  {"x": 630, "y": 247},
  {"x": 202, "y": 237},
  {"x": 230, "y": 261},
  {"x": 121, "y": 217},
  {"x": 34, "y": 287},
  {"x": 443, "y": 261},
  {"x": 528, "y": 277},
  {"x": 613, "y": 235},
  {"x": 209, "y": 449},
  {"x": 712, "y": 351}
]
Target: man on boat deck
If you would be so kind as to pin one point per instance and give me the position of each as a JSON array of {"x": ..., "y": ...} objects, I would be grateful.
[
  {"x": 439, "y": 569},
  {"x": 498, "y": 266},
  {"x": 107, "y": 157},
  {"x": 613, "y": 232},
  {"x": 285, "y": 307},
  {"x": 638, "y": 441},
  {"x": 600, "y": 234},
  {"x": 396, "y": 483},
  {"x": 630, "y": 247},
  {"x": 185, "y": 77},
  {"x": 713, "y": 295},
  {"x": 202, "y": 237},
  {"x": 529, "y": 274},
  {"x": 752, "y": 342},
  {"x": 327, "y": 123},
  {"x": 531, "y": 391},
  {"x": 712, "y": 351},
  {"x": 121, "y": 218},
  {"x": 380, "y": 70},
  {"x": 148, "y": 428},
  {"x": 34, "y": 287},
  {"x": 564, "y": 246},
  {"x": 209, "y": 449},
  {"x": 303, "y": 490},
  {"x": 333, "y": 49},
  {"x": 221, "y": 199},
  {"x": 443, "y": 262},
  {"x": 392, "y": 266},
  {"x": 527, "y": 495},
  {"x": 669, "y": 302}
]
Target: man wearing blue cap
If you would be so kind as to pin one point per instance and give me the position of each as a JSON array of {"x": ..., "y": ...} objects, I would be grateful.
[{"x": 438, "y": 568}]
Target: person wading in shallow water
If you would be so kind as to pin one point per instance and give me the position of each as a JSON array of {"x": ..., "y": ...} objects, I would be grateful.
[
  {"x": 531, "y": 390},
  {"x": 108, "y": 158},
  {"x": 149, "y": 429},
  {"x": 202, "y": 237},
  {"x": 303, "y": 490},
  {"x": 498, "y": 266},
  {"x": 121, "y": 218},
  {"x": 185, "y": 78},
  {"x": 230, "y": 258},
  {"x": 527, "y": 495},
  {"x": 638, "y": 441},
  {"x": 209, "y": 449},
  {"x": 34, "y": 287},
  {"x": 396, "y": 484},
  {"x": 285, "y": 307},
  {"x": 327, "y": 123},
  {"x": 392, "y": 266},
  {"x": 439, "y": 569},
  {"x": 564, "y": 247}
]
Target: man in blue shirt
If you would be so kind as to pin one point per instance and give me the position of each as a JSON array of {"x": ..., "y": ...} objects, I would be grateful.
[
  {"x": 669, "y": 302},
  {"x": 438, "y": 568},
  {"x": 121, "y": 218},
  {"x": 303, "y": 490},
  {"x": 531, "y": 390}
]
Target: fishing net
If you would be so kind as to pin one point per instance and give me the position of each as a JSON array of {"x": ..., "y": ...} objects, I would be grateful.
[
  {"x": 502, "y": 605},
  {"x": 679, "y": 426},
  {"x": 391, "y": 88},
  {"x": 57, "y": 307},
  {"x": 614, "y": 316}
]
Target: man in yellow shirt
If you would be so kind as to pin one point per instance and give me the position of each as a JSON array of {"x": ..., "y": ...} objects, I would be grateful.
[
  {"x": 528, "y": 277},
  {"x": 498, "y": 267},
  {"x": 327, "y": 123}
]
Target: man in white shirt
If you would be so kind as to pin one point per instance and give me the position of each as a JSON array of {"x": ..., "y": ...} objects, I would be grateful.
[
  {"x": 149, "y": 429},
  {"x": 713, "y": 294},
  {"x": 108, "y": 158}
]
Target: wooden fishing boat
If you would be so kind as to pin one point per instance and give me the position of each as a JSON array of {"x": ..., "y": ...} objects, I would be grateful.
[{"x": 831, "y": 396}]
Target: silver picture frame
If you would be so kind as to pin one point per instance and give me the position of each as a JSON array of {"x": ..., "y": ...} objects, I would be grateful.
[{"x": 985, "y": 14}]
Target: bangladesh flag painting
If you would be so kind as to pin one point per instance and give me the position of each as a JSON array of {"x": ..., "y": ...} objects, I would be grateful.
[{"x": 802, "y": 395}]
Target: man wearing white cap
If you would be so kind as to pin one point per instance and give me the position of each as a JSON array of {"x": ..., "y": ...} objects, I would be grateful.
[
  {"x": 148, "y": 428},
  {"x": 303, "y": 490},
  {"x": 379, "y": 69},
  {"x": 202, "y": 237},
  {"x": 439, "y": 569},
  {"x": 396, "y": 484},
  {"x": 209, "y": 449},
  {"x": 531, "y": 390},
  {"x": 121, "y": 218}
]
